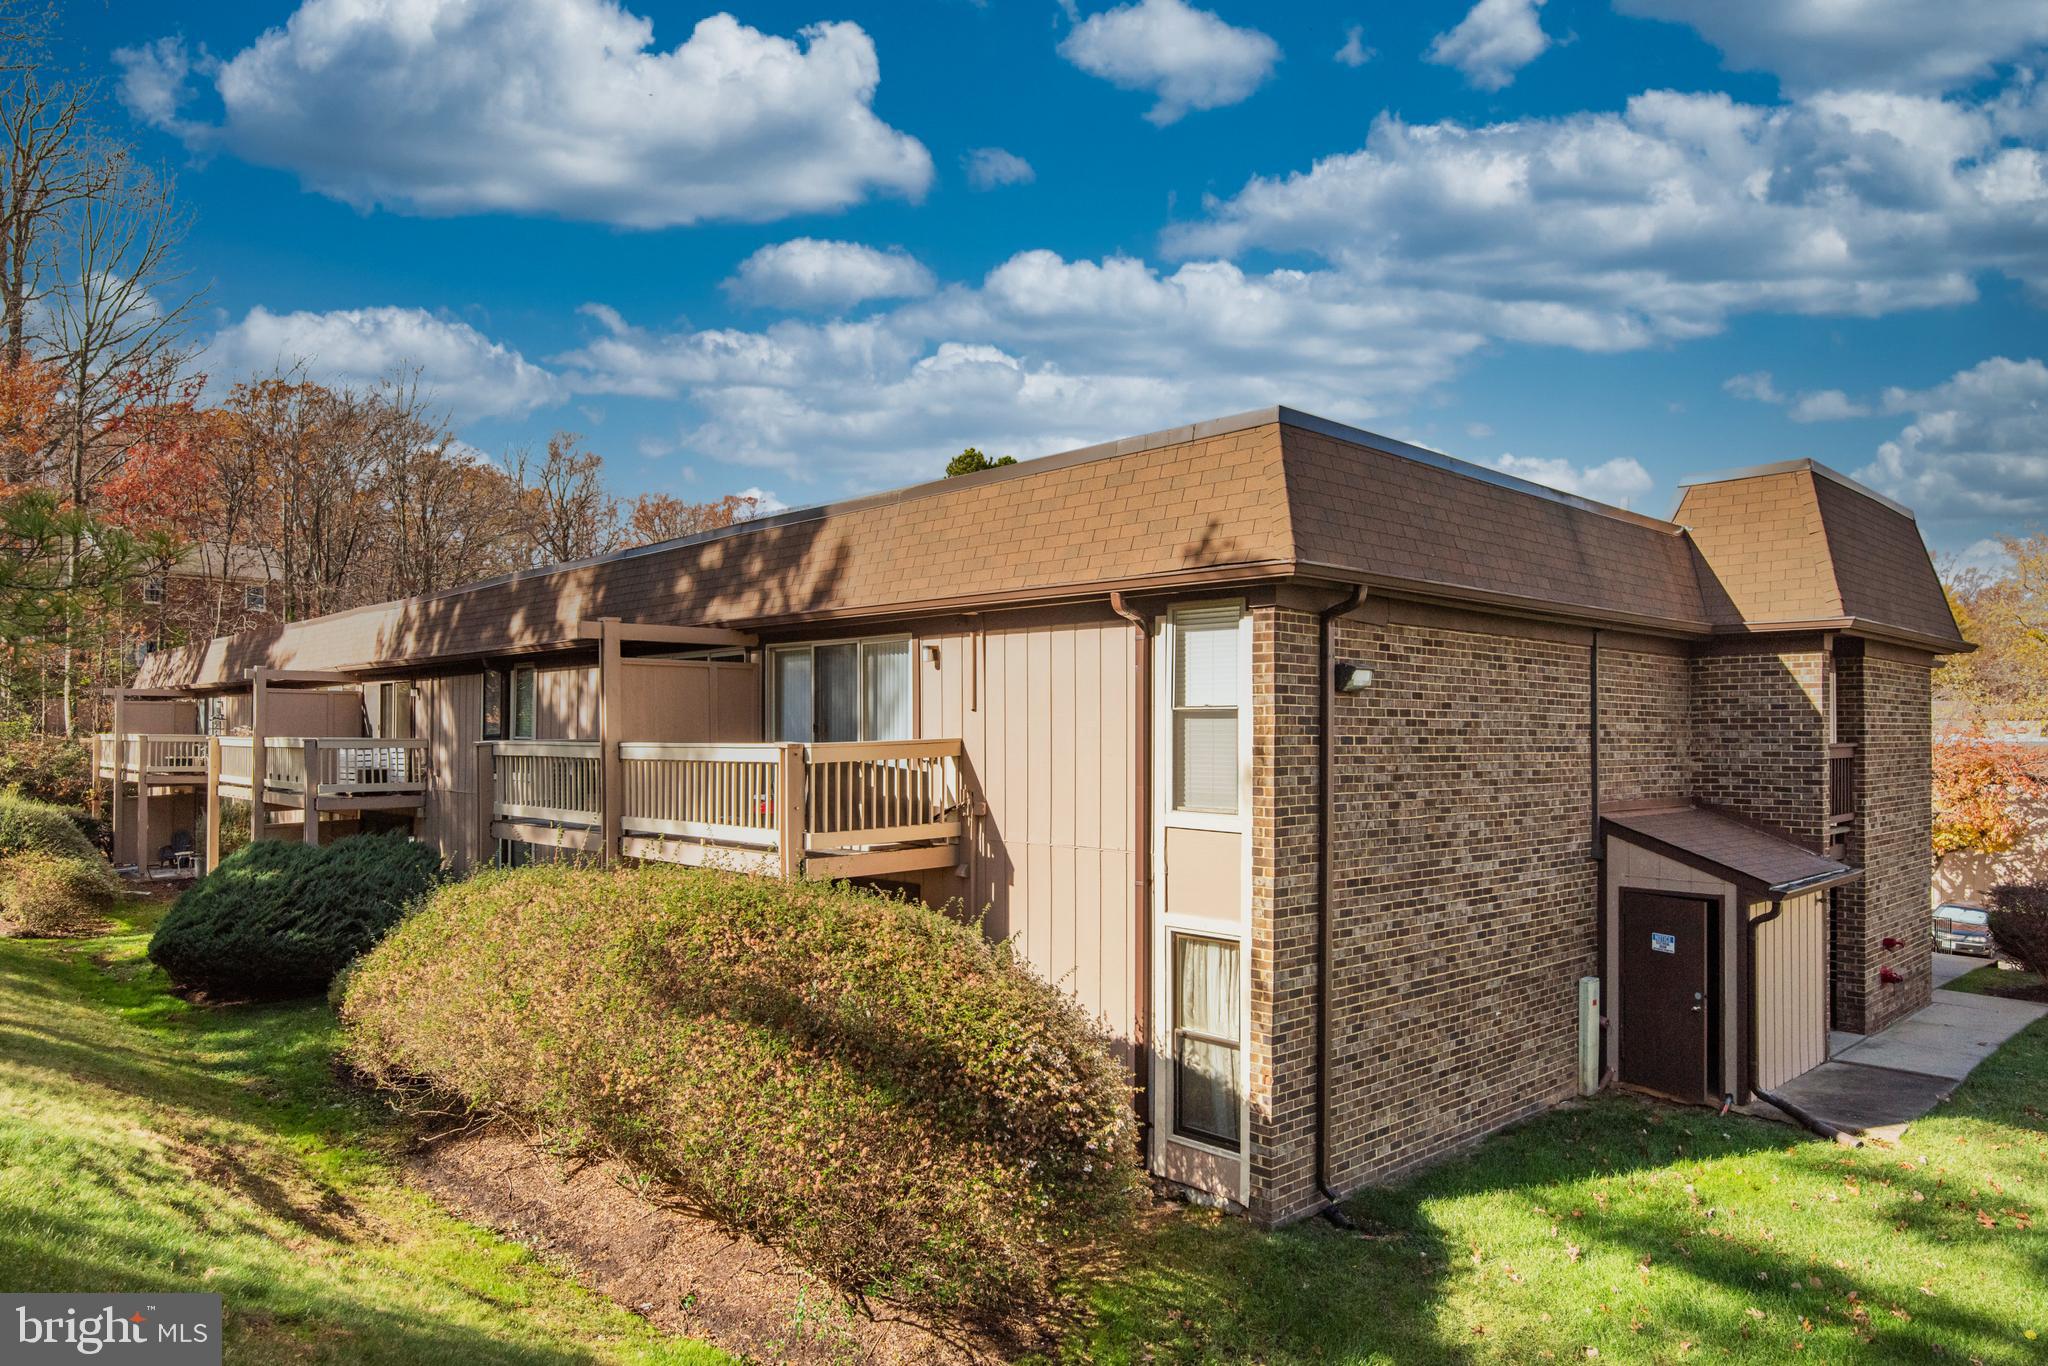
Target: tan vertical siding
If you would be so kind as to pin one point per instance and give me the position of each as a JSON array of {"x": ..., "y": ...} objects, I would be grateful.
[
  {"x": 690, "y": 701},
  {"x": 1049, "y": 746},
  {"x": 1791, "y": 989},
  {"x": 448, "y": 715},
  {"x": 289, "y": 711},
  {"x": 565, "y": 703}
]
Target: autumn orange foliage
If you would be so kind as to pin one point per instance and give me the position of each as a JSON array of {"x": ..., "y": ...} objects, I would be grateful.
[{"x": 1981, "y": 789}]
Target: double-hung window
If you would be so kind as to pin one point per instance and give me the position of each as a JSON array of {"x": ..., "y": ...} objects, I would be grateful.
[
  {"x": 841, "y": 690},
  {"x": 1205, "y": 682},
  {"x": 1208, "y": 1029}
]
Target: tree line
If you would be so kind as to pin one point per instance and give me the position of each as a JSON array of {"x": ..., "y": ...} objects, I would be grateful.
[{"x": 117, "y": 471}]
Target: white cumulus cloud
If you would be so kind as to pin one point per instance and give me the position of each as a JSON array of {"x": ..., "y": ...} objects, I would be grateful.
[
  {"x": 808, "y": 273},
  {"x": 461, "y": 370},
  {"x": 564, "y": 108},
  {"x": 1619, "y": 482},
  {"x": 1975, "y": 445},
  {"x": 1354, "y": 53},
  {"x": 1189, "y": 58},
  {"x": 1492, "y": 42},
  {"x": 1757, "y": 386},
  {"x": 1042, "y": 354},
  {"x": 1661, "y": 220},
  {"x": 1881, "y": 44},
  {"x": 1826, "y": 405},
  {"x": 990, "y": 167}
]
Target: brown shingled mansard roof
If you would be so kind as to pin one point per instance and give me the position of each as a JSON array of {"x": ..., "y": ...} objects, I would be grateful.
[{"x": 1268, "y": 494}]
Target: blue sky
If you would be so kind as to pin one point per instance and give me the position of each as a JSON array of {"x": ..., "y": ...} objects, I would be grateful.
[{"x": 815, "y": 249}]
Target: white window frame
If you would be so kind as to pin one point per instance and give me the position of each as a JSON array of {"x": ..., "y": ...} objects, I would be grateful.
[
  {"x": 772, "y": 704},
  {"x": 1167, "y": 925},
  {"x": 154, "y": 590},
  {"x": 256, "y": 597}
]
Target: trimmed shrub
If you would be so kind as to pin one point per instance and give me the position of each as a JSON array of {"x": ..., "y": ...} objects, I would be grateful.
[
  {"x": 861, "y": 1082},
  {"x": 30, "y": 826},
  {"x": 53, "y": 896},
  {"x": 2019, "y": 925},
  {"x": 280, "y": 918}
]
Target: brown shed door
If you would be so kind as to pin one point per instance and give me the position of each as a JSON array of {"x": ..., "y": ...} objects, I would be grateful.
[{"x": 1664, "y": 994}]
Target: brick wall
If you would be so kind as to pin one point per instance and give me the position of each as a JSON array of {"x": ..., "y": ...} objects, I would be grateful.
[
  {"x": 1759, "y": 737},
  {"x": 1285, "y": 818},
  {"x": 1885, "y": 707},
  {"x": 1645, "y": 726},
  {"x": 1464, "y": 897}
]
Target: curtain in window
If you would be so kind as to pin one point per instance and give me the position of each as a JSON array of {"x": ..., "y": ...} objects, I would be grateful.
[
  {"x": 1207, "y": 1025},
  {"x": 887, "y": 704},
  {"x": 1205, "y": 693},
  {"x": 792, "y": 695},
  {"x": 838, "y": 674}
]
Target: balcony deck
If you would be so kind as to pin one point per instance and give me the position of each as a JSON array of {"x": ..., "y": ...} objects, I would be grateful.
[
  {"x": 349, "y": 773},
  {"x": 822, "y": 810}
]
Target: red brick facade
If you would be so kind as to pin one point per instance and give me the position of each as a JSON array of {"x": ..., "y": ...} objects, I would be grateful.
[
  {"x": 1759, "y": 736},
  {"x": 1885, "y": 706},
  {"x": 1466, "y": 894}
]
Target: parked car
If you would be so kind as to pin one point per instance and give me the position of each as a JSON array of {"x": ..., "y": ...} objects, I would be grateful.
[{"x": 1960, "y": 928}]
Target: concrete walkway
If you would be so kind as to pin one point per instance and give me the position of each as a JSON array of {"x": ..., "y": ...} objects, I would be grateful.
[{"x": 1874, "y": 1086}]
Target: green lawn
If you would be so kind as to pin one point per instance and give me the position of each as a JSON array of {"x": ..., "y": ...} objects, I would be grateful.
[
  {"x": 1642, "y": 1234},
  {"x": 1980, "y": 981},
  {"x": 146, "y": 1144}
]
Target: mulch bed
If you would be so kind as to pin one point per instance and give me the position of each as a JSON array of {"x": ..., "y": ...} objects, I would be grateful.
[{"x": 679, "y": 1272}]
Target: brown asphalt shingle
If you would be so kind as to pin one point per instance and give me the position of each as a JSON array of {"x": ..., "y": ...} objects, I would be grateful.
[
  {"x": 1270, "y": 493},
  {"x": 1742, "y": 853}
]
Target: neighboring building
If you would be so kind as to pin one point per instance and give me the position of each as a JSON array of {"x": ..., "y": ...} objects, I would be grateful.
[
  {"x": 1084, "y": 698},
  {"x": 204, "y": 588}
]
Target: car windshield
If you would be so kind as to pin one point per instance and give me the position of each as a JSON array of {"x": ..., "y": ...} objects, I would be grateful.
[{"x": 1964, "y": 915}]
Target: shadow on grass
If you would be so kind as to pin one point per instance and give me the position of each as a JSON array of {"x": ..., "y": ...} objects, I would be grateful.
[
  {"x": 1583, "y": 1227},
  {"x": 325, "y": 1323}
]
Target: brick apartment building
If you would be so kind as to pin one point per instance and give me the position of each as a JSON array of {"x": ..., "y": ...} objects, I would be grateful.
[{"x": 1321, "y": 767}]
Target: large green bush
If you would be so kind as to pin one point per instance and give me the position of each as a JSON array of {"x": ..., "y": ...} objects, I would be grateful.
[
  {"x": 31, "y": 826},
  {"x": 863, "y": 1083},
  {"x": 280, "y": 917},
  {"x": 51, "y": 895},
  {"x": 2019, "y": 924}
]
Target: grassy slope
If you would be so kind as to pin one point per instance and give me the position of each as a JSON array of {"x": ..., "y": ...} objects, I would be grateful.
[
  {"x": 1982, "y": 981},
  {"x": 148, "y": 1144},
  {"x": 1647, "y": 1233}
]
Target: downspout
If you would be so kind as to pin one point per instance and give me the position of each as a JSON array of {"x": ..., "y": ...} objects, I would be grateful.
[
  {"x": 1141, "y": 863},
  {"x": 1747, "y": 986},
  {"x": 1598, "y": 847},
  {"x": 1326, "y": 804}
]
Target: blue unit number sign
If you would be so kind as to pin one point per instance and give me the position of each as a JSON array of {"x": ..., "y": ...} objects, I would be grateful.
[{"x": 1664, "y": 943}]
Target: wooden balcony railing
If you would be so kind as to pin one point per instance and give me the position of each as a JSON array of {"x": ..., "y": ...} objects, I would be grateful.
[
  {"x": 345, "y": 767},
  {"x": 688, "y": 801},
  {"x": 548, "y": 780},
  {"x": 1841, "y": 794},
  {"x": 163, "y": 756}
]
